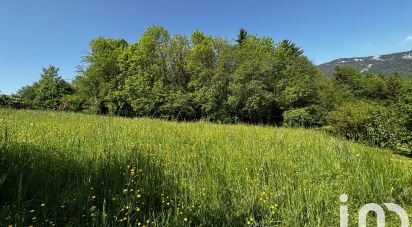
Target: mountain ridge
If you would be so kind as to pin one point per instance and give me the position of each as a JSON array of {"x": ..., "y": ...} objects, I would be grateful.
[{"x": 387, "y": 64}]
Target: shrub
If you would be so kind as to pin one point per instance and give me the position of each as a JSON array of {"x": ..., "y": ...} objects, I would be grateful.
[
  {"x": 371, "y": 123},
  {"x": 4, "y": 100},
  {"x": 312, "y": 116},
  {"x": 74, "y": 102},
  {"x": 11, "y": 102}
]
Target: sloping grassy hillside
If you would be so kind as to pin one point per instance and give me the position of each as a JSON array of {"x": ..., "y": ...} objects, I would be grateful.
[{"x": 59, "y": 168}]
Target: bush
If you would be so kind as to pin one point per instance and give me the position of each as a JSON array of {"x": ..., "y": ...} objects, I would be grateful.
[
  {"x": 312, "y": 116},
  {"x": 11, "y": 102},
  {"x": 371, "y": 123},
  {"x": 74, "y": 102},
  {"x": 4, "y": 100}
]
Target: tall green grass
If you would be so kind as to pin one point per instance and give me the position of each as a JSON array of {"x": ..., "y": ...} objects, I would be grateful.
[{"x": 66, "y": 168}]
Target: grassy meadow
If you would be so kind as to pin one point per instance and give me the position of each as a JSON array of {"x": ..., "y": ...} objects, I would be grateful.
[{"x": 71, "y": 169}]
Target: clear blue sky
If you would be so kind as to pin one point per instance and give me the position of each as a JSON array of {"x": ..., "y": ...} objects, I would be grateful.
[{"x": 34, "y": 34}]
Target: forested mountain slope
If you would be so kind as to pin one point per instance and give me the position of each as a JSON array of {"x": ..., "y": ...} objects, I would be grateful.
[{"x": 382, "y": 64}]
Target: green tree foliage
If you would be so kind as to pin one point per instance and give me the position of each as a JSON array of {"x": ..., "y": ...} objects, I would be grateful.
[
  {"x": 5, "y": 100},
  {"x": 47, "y": 93},
  {"x": 251, "y": 93},
  {"x": 373, "y": 109},
  {"x": 202, "y": 64},
  {"x": 99, "y": 79},
  {"x": 372, "y": 123}
]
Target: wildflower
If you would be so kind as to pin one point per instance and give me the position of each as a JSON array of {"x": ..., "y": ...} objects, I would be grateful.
[
  {"x": 93, "y": 208},
  {"x": 93, "y": 197},
  {"x": 43, "y": 205},
  {"x": 31, "y": 211},
  {"x": 185, "y": 219}
]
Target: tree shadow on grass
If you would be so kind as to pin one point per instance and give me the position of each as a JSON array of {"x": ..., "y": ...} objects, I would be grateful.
[{"x": 44, "y": 186}]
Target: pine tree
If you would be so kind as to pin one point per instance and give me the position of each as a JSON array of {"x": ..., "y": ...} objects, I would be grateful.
[{"x": 242, "y": 36}]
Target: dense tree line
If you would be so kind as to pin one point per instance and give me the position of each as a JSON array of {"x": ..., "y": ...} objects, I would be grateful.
[{"x": 253, "y": 80}]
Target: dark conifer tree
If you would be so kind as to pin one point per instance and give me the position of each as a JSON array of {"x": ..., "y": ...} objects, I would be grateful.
[{"x": 242, "y": 36}]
